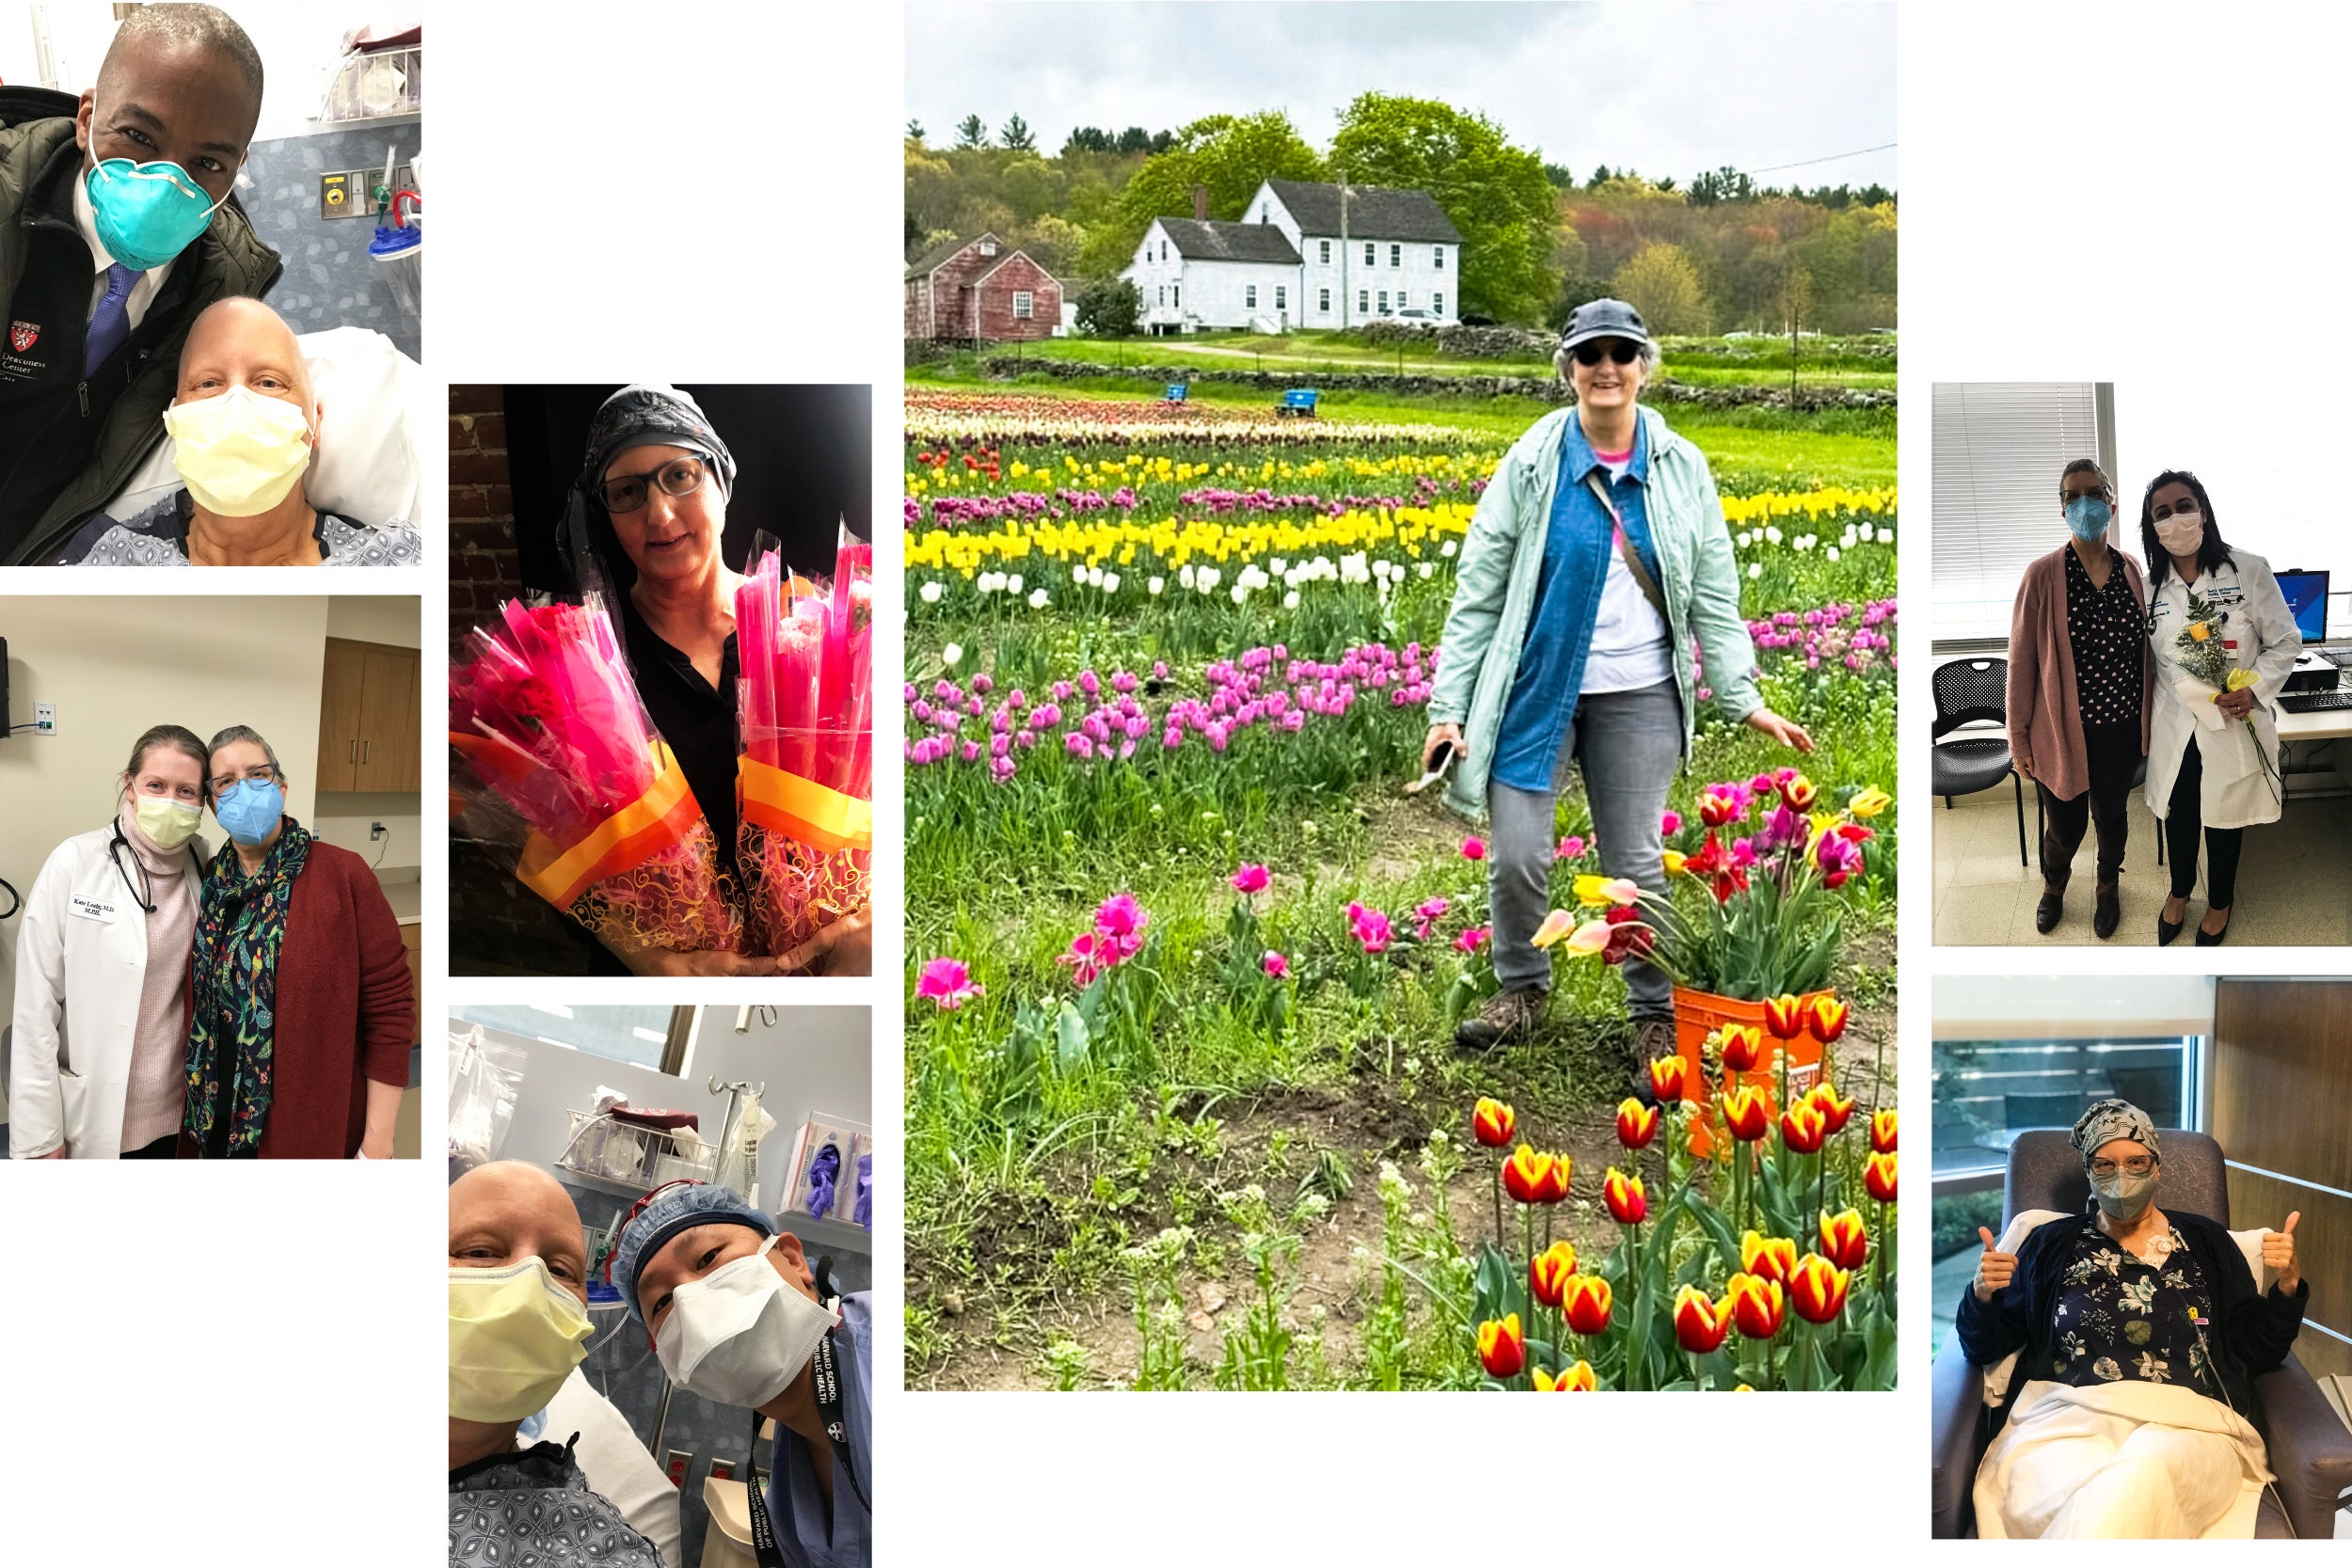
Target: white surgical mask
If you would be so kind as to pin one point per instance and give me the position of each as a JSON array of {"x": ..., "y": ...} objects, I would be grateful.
[
  {"x": 740, "y": 1334},
  {"x": 2182, "y": 532}
]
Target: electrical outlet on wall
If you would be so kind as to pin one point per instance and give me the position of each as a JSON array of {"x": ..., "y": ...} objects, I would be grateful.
[
  {"x": 376, "y": 830},
  {"x": 680, "y": 1463},
  {"x": 44, "y": 717}
]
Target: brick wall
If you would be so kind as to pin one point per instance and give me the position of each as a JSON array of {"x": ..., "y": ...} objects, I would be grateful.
[{"x": 497, "y": 926}]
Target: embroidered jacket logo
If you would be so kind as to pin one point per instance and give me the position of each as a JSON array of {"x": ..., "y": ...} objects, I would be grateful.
[{"x": 23, "y": 334}]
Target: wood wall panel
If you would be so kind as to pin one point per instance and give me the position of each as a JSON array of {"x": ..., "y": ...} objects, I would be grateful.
[
  {"x": 2324, "y": 1237},
  {"x": 2282, "y": 1077}
]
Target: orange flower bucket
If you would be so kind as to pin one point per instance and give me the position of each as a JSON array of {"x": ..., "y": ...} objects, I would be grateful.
[{"x": 1699, "y": 1014}]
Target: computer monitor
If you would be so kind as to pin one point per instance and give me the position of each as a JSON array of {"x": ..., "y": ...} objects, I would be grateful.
[{"x": 2307, "y": 601}]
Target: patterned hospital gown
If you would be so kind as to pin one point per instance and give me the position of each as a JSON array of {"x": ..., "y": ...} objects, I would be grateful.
[
  {"x": 158, "y": 536},
  {"x": 533, "y": 1510},
  {"x": 2118, "y": 1319}
]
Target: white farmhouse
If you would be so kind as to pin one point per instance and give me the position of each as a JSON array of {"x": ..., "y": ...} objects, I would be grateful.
[{"x": 1304, "y": 254}]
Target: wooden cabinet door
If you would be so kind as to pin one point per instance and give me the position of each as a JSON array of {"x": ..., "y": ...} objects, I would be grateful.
[
  {"x": 407, "y": 748},
  {"x": 388, "y": 689},
  {"x": 339, "y": 702}
]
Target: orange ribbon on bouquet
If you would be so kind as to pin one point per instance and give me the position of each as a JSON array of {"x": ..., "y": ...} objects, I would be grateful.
[
  {"x": 802, "y": 809},
  {"x": 661, "y": 818}
]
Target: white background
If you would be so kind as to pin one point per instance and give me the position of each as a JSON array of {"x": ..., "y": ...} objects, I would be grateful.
[{"x": 244, "y": 1365}]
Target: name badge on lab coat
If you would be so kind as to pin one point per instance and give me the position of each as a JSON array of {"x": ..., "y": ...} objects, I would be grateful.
[{"x": 93, "y": 908}]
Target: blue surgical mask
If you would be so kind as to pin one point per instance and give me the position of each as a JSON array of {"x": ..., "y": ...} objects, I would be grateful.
[
  {"x": 146, "y": 214},
  {"x": 2088, "y": 516},
  {"x": 249, "y": 810}
]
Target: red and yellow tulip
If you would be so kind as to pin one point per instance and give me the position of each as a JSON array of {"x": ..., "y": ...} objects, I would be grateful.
[
  {"x": 1637, "y": 1123},
  {"x": 1746, "y": 1115},
  {"x": 1757, "y": 1305},
  {"x": 1532, "y": 1176},
  {"x": 1784, "y": 1017},
  {"x": 1493, "y": 1123},
  {"x": 1669, "y": 1079},
  {"x": 1622, "y": 1195},
  {"x": 1742, "y": 1047},
  {"x": 1700, "y": 1324},
  {"x": 1882, "y": 1131},
  {"x": 1586, "y": 1302},
  {"x": 1578, "y": 1379},
  {"x": 1502, "y": 1346},
  {"x": 1844, "y": 1239},
  {"x": 1818, "y": 1290},
  {"x": 1772, "y": 1257},
  {"x": 1878, "y": 1177},
  {"x": 1803, "y": 1127},
  {"x": 1835, "y": 1112},
  {"x": 1549, "y": 1272},
  {"x": 1800, "y": 792},
  {"x": 1829, "y": 1018}
]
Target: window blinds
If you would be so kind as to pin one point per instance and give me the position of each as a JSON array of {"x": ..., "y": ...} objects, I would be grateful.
[{"x": 1999, "y": 447}]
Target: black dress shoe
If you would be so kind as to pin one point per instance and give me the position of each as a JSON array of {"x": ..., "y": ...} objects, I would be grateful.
[
  {"x": 2212, "y": 939},
  {"x": 2165, "y": 930},
  {"x": 2109, "y": 912},
  {"x": 2045, "y": 915}
]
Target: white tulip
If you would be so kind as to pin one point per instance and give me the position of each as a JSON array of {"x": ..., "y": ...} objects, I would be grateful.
[
  {"x": 1833, "y": 552},
  {"x": 1038, "y": 600},
  {"x": 952, "y": 654},
  {"x": 1446, "y": 549},
  {"x": 1241, "y": 592},
  {"x": 1079, "y": 575},
  {"x": 931, "y": 592},
  {"x": 1756, "y": 570},
  {"x": 1774, "y": 534},
  {"x": 1013, "y": 584},
  {"x": 1110, "y": 582},
  {"x": 1290, "y": 600},
  {"x": 1184, "y": 574},
  {"x": 1153, "y": 585}
]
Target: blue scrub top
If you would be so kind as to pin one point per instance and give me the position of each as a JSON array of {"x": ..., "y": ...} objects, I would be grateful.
[{"x": 809, "y": 1533}]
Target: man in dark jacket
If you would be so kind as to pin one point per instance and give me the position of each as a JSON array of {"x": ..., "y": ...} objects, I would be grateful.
[{"x": 117, "y": 228}]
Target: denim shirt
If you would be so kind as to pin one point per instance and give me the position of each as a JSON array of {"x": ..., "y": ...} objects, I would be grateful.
[{"x": 1577, "y": 552}]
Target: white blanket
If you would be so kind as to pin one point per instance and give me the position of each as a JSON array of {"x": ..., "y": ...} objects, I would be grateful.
[{"x": 2120, "y": 1460}]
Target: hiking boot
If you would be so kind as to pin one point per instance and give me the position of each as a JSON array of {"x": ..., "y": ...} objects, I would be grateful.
[
  {"x": 2109, "y": 912},
  {"x": 2045, "y": 915},
  {"x": 1507, "y": 1016},
  {"x": 1653, "y": 1038}
]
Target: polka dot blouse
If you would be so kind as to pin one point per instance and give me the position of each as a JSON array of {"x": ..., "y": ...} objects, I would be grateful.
[{"x": 2109, "y": 640}]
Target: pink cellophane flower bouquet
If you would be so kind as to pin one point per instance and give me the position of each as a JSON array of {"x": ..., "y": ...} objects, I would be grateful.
[
  {"x": 806, "y": 724},
  {"x": 548, "y": 723}
]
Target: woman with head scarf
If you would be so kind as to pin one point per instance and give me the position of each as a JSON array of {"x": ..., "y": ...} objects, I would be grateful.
[
  {"x": 652, "y": 495},
  {"x": 304, "y": 1010},
  {"x": 1597, "y": 565},
  {"x": 2138, "y": 1332}
]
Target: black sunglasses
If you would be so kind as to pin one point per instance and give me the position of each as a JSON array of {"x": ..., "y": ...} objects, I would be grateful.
[{"x": 1589, "y": 352}]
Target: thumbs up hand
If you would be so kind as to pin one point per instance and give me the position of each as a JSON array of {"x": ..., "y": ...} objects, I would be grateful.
[
  {"x": 2279, "y": 1255},
  {"x": 1994, "y": 1269}
]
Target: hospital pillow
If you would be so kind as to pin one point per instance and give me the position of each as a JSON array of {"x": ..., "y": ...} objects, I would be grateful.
[
  {"x": 375, "y": 410},
  {"x": 1997, "y": 1375}
]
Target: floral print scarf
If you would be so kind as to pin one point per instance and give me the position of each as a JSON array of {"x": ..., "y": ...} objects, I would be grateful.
[{"x": 239, "y": 926}]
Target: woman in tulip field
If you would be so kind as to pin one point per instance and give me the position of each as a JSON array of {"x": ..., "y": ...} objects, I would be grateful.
[{"x": 1185, "y": 958}]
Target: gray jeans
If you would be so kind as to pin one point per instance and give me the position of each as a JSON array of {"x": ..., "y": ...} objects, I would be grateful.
[{"x": 1628, "y": 744}]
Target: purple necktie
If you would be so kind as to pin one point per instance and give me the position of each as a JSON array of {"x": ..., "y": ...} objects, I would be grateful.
[{"x": 110, "y": 328}]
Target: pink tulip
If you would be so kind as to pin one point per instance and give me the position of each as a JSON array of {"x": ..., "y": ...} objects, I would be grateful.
[
  {"x": 1276, "y": 965},
  {"x": 1251, "y": 878},
  {"x": 948, "y": 982}
]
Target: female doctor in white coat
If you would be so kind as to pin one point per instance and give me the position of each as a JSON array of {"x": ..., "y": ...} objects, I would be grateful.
[
  {"x": 100, "y": 1060},
  {"x": 2203, "y": 766}
]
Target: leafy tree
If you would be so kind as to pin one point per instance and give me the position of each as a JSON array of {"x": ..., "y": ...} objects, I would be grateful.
[
  {"x": 915, "y": 132},
  {"x": 1722, "y": 184},
  {"x": 1088, "y": 138},
  {"x": 1577, "y": 290},
  {"x": 1231, "y": 155},
  {"x": 971, "y": 133},
  {"x": 1015, "y": 136},
  {"x": 1163, "y": 140},
  {"x": 1134, "y": 139},
  {"x": 1562, "y": 177},
  {"x": 1109, "y": 307},
  {"x": 1600, "y": 177},
  {"x": 1496, "y": 193},
  {"x": 1661, "y": 283}
]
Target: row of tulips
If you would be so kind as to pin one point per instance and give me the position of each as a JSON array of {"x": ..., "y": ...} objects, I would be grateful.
[{"x": 959, "y": 421}]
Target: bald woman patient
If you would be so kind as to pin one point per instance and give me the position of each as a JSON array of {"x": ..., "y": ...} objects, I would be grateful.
[{"x": 246, "y": 427}]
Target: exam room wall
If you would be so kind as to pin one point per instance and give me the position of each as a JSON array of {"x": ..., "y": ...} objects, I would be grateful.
[
  {"x": 816, "y": 1061},
  {"x": 2281, "y": 1079},
  {"x": 395, "y": 621},
  {"x": 116, "y": 666}
]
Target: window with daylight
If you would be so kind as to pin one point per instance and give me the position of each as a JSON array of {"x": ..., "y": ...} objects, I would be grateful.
[
  {"x": 1384, "y": 302},
  {"x": 1249, "y": 296},
  {"x": 1162, "y": 293},
  {"x": 1325, "y": 251},
  {"x": 1437, "y": 254},
  {"x": 1323, "y": 301},
  {"x": 1396, "y": 255},
  {"x": 1997, "y": 449},
  {"x": 1282, "y": 298},
  {"x": 657, "y": 1037},
  {"x": 1176, "y": 295},
  {"x": 1021, "y": 303},
  {"x": 1364, "y": 300},
  {"x": 1371, "y": 256},
  {"x": 1437, "y": 305},
  {"x": 988, "y": 248}
]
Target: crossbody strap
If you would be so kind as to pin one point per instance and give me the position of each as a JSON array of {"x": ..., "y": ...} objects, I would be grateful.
[{"x": 1626, "y": 553}]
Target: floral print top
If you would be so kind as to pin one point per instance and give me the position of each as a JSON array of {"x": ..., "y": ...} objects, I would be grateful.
[{"x": 2118, "y": 1318}]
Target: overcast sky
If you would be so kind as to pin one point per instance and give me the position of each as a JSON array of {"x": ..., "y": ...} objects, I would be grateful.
[{"x": 1667, "y": 89}]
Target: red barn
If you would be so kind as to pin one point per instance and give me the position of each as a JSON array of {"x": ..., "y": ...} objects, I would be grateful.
[{"x": 978, "y": 289}]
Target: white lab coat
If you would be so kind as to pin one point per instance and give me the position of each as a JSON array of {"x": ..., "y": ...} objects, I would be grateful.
[
  {"x": 2236, "y": 794},
  {"x": 81, "y": 960}
]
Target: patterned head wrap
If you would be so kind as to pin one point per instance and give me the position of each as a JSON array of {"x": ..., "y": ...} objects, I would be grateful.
[
  {"x": 2110, "y": 1119},
  {"x": 652, "y": 416}
]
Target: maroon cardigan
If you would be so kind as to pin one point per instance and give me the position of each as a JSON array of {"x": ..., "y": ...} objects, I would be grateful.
[
  {"x": 2046, "y": 722},
  {"x": 346, "y": 1010}
]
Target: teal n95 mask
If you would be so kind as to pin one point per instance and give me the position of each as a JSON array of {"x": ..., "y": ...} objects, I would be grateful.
[
  {"x": 146, "y": 214},
  {"x": 740, "y": 1336}
]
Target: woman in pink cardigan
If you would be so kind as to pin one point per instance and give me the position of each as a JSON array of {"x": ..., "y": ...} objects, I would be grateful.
[{"x": 2080, "y": 688}]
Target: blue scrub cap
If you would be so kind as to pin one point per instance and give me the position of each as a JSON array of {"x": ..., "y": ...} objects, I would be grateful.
[{"x": 666, "y": 1213}]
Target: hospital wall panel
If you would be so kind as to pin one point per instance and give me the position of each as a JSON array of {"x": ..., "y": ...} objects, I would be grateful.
[
  {"x": 2324, "y": 1237},
  {"x": 2282, "y": 1077}
]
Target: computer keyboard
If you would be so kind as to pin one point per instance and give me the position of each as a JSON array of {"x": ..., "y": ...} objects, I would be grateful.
[{"x": 2315, "y": 702}]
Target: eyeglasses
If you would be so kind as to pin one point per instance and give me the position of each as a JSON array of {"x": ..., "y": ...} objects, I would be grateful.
[
  {"x": 2140, "y": 1164},
  {"x": 1624, "y": 352},
  {"x": 680, "y": 476},
  {"x": 2070, "y": 495},
  {"x": 261, "y": 774}
]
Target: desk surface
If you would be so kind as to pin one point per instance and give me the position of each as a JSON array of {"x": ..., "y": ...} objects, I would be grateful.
[{"x": 2327, "y": 724}]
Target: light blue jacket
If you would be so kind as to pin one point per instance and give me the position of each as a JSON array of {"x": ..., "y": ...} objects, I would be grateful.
[{"x": 1494, "y": 592}]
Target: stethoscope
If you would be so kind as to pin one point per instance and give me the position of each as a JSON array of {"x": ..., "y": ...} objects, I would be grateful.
[{"x": 113, "y": 853}]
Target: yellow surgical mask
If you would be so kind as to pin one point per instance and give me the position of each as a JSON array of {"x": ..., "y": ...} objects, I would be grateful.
[
  {"x": 167, "y": 824},
  {"x": 240, "y": 452},
  {"x": 515, "y": 1335}
]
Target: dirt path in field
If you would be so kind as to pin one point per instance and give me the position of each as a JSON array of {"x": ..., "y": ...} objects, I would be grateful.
[{"x": 1366, "y": 1120}]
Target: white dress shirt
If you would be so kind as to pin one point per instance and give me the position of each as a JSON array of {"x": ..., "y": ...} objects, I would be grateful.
[{"x": 142, "y": 292}]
